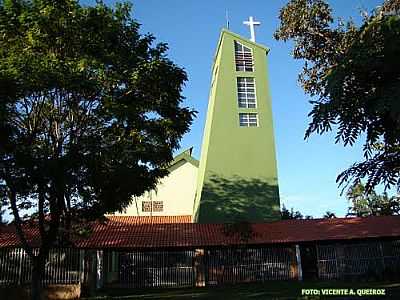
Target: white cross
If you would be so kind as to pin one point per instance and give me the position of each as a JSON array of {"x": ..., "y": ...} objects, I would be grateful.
[{"x": 251, "y": 23}]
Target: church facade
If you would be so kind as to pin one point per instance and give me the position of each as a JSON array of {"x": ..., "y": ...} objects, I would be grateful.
[{"x": 236, "y": 178}]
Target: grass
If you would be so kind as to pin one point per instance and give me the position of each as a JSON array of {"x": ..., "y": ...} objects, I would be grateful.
[{"x": 270, "y": 290}]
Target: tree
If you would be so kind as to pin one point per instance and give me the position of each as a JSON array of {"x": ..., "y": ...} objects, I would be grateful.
[
  {"x": 372, "y": 204},
  {"x": 353, "y": 76},
  {"x": 292, "y": 215},
  {"x": 90, "y": 112},
  {"x": 329, "y": 215}
]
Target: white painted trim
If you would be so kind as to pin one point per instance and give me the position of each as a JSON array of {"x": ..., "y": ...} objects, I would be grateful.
[{"x": 298, "y": 259}]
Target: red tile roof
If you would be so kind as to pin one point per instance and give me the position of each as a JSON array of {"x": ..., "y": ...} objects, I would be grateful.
[
  {"x": 8, "y": 237},
  {"x": 135, "y": 220},
  {"x": 119, "y": 232}
]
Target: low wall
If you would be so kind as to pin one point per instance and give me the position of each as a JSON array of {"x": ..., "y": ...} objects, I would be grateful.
[{"x": 51, "y": 292}]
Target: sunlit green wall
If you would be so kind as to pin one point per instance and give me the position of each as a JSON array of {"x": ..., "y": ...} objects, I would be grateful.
[{"x": 237, "y": 177}]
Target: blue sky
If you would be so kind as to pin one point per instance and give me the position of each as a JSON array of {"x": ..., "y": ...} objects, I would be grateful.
[{"x": 307, "y": 169}]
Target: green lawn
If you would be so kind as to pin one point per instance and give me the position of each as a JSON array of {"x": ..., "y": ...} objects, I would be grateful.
[{"x": 269, "y": 290}]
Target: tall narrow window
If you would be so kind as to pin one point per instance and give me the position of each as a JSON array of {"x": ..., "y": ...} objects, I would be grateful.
[
  {"x": 248, "y": 120},
  {"x": 243, "y": 58},
  {"x": 246, "y": 92}
]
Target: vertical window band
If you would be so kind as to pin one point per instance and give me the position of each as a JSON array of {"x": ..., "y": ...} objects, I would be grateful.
[
  {"x": 246, "y": 92},
  {"x": 243, "y": 58}
]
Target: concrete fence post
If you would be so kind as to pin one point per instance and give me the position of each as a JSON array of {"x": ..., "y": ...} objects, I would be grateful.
[
  {"x": 199, "y": 268},
  {"x": 81, "y": 266},
  {"x": 99, "y": 269},
  {"x": 298, "y": 259}
]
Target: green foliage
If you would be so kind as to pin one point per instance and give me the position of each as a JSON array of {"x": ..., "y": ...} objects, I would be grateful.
[
  {"x": 371, "y": 204},
  {"x": 292, "y": 215},
  {"x": 90, "y": 110},
  {"x": 329, "y": 215},
  {"x": 297, "y": 215},
  {"x": 90, "y": 113},
  {"x": 353, "y": 75}
]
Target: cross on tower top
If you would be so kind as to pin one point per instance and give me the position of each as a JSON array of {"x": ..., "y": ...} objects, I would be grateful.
[{"x": 251, "y": 23}]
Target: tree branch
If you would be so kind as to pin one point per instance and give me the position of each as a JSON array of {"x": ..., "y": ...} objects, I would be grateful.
[{"x": 17, "y": 220}]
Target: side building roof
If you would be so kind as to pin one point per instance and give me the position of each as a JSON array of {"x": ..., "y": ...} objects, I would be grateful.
[
  {"x": 186, "y": 156},
  {"x": 119, "y": 232}
]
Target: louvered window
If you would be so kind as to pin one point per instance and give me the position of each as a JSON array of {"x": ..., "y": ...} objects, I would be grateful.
[
  {"x": 243, "y": 58},
  {"x": 146, "y": 206},
  {"x": 155, "y": 206},
  {"x": 158, "y": 206}
]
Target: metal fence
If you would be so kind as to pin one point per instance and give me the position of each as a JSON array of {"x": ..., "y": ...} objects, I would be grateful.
[
  {"x": 63, "y": 266},
  {"x": 374, "y": 259},
  {"x": 208, "y": 266},
  {"x": 198, "y": 267},
  {"x": 150, "y": 268},
  {"x": 250, "y": 265}
]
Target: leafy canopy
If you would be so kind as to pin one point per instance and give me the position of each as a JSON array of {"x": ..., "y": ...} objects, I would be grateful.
[
  {"x": 90, "y": 109},
  {"x": 292, "y": 214},
  {"x": 353, "y": 76},
  {"x": 372, "y": 204},
  {"x": 329, "y": 215}
]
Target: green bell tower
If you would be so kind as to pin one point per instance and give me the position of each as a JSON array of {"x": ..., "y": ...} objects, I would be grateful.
[{"x": 237, "y": 179}]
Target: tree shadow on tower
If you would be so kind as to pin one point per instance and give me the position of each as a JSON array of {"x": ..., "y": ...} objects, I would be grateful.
[{"x": 237, "y": 199}]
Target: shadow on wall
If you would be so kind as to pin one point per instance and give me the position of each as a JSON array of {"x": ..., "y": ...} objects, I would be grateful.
[{"x": 238, "y": 199}]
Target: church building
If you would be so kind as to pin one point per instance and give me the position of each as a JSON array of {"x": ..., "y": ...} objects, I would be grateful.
[
  {"x": 154, "y": 243},
  {"x": 236, "y": 179}
]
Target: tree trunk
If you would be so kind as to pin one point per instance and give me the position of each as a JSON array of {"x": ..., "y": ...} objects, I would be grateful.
[{"x": 38, "y": 267}]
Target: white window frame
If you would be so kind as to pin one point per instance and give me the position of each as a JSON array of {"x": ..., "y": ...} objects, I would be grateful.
[
  {"x": 247, "y": 120},
  {"x": 244, "y": 92},
  {"x": 241, "y": 59}
]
